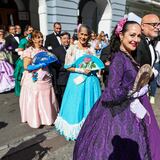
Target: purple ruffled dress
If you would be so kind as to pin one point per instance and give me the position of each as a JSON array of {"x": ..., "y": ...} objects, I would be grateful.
[
  {"x": 7, "y": 82},
  {"x": 120, "y": 137}
]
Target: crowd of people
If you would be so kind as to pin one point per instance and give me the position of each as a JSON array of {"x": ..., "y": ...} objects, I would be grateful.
[{"x": 107, "y": 123}]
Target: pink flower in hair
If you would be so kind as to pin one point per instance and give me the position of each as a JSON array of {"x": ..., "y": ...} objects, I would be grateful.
[
  {"x": 78, "y": 27},
  {"x": 120, "y": 25}
]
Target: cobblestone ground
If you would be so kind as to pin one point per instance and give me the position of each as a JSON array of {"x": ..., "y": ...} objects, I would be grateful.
[
  {"x": 52, "y": 146},
  {"x": 65, "y": 153}
]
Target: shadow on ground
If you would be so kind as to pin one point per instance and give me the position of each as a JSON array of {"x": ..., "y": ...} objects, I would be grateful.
[
  {"x": 28, "y": 150},
  {"x": 3, "y": 125}
]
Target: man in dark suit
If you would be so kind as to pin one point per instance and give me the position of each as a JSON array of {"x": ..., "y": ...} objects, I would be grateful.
[
  {"x": 18, "y": 31},
  {"x": 105, "y": 58},
  {"x": 53, "y": 39},
  {"x": 12, "y": 42},
  {"x": 146, "y": 52},
  {"x": 61, "y": 77}
]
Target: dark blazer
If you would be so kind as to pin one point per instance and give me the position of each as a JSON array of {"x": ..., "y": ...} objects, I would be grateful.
[
  {"x": 11, "y": 42},
  {"x": 20, "y": 36},
  {"x": 61, "y": 73},
  {"x": 143, "y": 52},
  {"x": 51, "y": 41},
  {"x": 105, "y": 56}
]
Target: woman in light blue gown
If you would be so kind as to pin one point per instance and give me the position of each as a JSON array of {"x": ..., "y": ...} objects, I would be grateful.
[{"x": 82, "y": 90}]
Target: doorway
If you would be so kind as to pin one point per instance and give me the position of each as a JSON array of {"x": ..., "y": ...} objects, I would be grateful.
[
  {"x": 8, "y": 14},
  {"x": 8, "y": 17},
  {"x": 88, "y": 14}
]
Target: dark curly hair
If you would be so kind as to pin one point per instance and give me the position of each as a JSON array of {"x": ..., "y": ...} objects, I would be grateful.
[{"x": 115, "y": 40}]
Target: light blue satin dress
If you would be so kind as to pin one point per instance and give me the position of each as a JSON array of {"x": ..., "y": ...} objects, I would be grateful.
[{"x": 78, "y": 99}]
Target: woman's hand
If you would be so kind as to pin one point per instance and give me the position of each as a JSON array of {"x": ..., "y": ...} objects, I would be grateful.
[
  {"x": 82, "y": 70},
  {"x": 107, "y": 63},
  {"x": 87, "y": 71}
]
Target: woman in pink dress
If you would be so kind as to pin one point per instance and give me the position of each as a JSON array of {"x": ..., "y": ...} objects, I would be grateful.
[{"x": 38, "y": 104}]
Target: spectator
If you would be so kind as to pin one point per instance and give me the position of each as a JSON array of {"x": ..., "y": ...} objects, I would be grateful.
[
  {"x": 146, "y": 53},
  {"x": 12, "y": 42},
  {"x": 62, "y": 74},
  {"x": 18, "y": 31},
  {"x": 53, "y": 39}
]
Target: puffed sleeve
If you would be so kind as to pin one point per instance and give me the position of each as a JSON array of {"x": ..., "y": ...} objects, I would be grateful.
[
  {"x": 70, "y": 57},
  {"x": 27, "y": 53},
  {"x": 27, "y": 59},
  {"x": 92, "y": 51}
]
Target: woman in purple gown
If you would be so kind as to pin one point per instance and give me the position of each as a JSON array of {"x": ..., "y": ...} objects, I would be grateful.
[
  {"x": 7, "y": 82},
  {"x": 112, "y": 131}
]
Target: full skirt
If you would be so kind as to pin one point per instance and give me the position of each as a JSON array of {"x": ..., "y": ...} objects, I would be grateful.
[
  {"x": 76, "y": 104},
  {"x": 38, "y": 104},
  {"x": 18, "y": 72},
  {"x": 7, "y": 82},
  {"x": 123, "y": 137}
]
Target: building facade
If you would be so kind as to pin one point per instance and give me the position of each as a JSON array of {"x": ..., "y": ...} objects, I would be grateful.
[{"x": 98, "y": 14}]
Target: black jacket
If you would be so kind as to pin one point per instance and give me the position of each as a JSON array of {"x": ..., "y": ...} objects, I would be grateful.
[
  {"x": 144, "y": 53},
  {"x": 11, "y": 44},
  {"x": 61, "y": 73},
  {"x": 51, "y": 41}
]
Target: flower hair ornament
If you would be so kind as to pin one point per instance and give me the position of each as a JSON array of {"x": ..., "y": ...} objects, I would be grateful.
[
  {"x": 78, "y": 27},
  {"x": 120, "y": 25}
]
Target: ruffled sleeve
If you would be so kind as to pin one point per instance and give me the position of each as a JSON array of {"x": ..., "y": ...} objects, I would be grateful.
[
  {"x": 92, "y": 51},
  {"x": 70, "y": 57},
  {"x": 27, "y": 53}
]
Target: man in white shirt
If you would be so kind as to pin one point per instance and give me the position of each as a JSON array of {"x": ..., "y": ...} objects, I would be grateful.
[
  {"x": 53, "y": 39},
  {"x": 12, "y": 42}
]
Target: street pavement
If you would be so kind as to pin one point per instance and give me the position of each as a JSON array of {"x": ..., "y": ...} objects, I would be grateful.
[{"x": 20, "y": 142}]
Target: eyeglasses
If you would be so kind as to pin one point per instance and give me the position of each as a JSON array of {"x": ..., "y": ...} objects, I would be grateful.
[{"x": 153, "y": 24}]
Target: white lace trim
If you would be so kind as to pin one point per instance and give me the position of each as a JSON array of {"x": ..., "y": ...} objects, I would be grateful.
[{"x": 69, "y": 131}]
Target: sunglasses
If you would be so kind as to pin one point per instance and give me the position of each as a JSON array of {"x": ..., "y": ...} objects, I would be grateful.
[{"x": 153, "y": 24}]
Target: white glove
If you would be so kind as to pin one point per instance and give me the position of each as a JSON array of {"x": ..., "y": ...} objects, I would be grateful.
[
  {"x": 141, "y": 92},
  {"x": 79, "y": 70},
  {"x": 138, "y": 109},
  {"x": 20, "y": 53},
  {"x": 16, "y": 49},
  {"x": 155, "y": 72}
]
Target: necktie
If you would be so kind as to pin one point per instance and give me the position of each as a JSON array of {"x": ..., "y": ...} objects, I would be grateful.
[
  {"x": 57, "y": 35},
  {"x": 152, "y": 42},
  {"x": 66, "y": 47}
]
